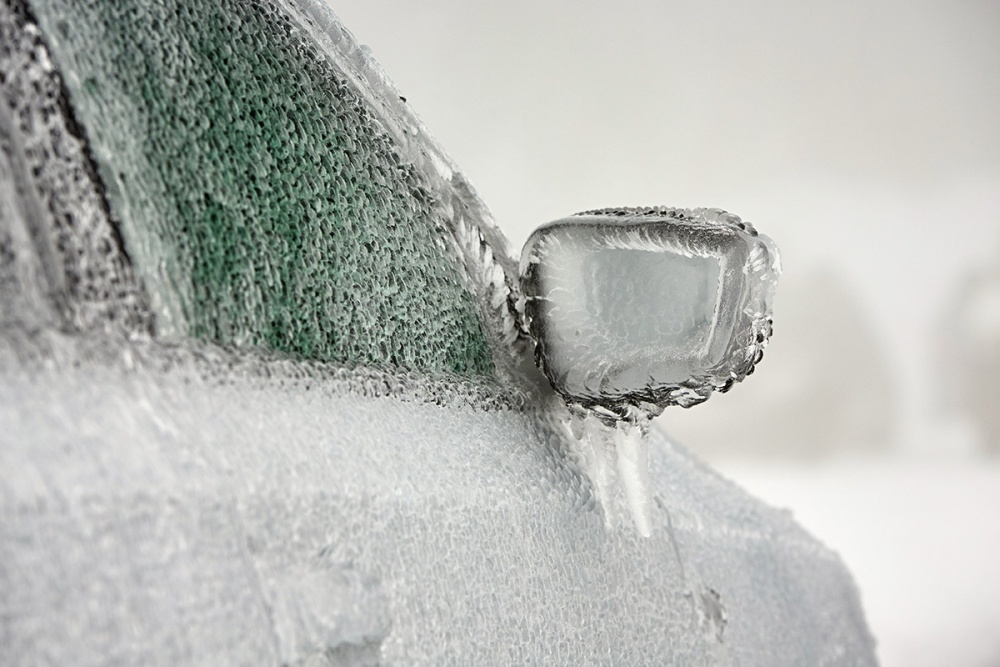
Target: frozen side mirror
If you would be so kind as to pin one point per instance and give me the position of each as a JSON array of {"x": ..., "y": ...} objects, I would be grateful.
[{"x": 636, "y": 309}]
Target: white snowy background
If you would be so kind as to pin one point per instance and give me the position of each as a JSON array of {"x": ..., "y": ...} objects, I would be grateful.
[{"x": 864, "y": 137}]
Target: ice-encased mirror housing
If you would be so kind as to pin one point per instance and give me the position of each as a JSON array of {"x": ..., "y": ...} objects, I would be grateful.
[{"x": 642, "y": 308}]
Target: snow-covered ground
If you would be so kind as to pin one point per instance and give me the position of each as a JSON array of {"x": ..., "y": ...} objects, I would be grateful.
[{"x": 921, "y": 537}]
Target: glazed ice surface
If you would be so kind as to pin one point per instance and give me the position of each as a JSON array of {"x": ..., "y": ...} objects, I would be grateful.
[{"x": 648, "y": 307}]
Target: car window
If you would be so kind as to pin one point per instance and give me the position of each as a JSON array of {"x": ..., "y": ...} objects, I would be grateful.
[{"x": 259, "y": 198}]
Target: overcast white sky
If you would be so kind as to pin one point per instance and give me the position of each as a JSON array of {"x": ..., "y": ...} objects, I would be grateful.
[{"x": 860, "y": 135}]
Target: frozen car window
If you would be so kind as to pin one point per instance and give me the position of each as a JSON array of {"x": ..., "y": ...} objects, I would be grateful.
[{"x": 262, "y": 203}]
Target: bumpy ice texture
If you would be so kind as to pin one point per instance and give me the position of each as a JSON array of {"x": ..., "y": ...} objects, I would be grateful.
[
  {"x": 164, "y": 501},
  {"x": 210, "y": 515},
  {"x": 262, "y": 201},
  {"x": 648, "y": 307},
  {"x": 62, "y": 257}
]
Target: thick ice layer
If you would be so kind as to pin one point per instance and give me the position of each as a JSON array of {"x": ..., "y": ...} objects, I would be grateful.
[
  {"x": 57, "y": 234},
  {"x": 264, "y": 197},
  {"x": 654, "y": 306},
  {"x": 168, "y": 502},
  {"x": 207, "y": 515},
  {"x": 607, "y": 453}
]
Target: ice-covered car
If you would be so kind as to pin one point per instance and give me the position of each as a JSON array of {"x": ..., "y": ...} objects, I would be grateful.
[{"x": 268, "y": 394}]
